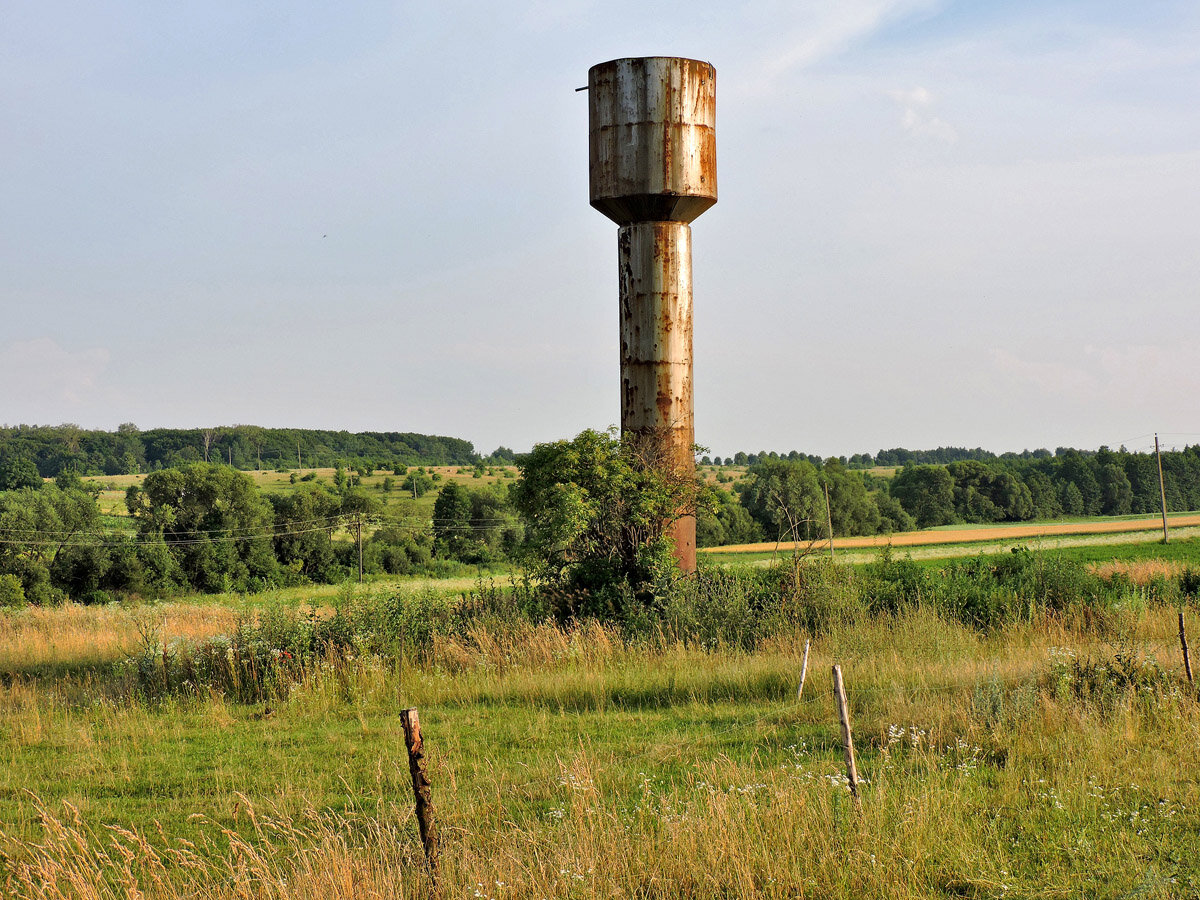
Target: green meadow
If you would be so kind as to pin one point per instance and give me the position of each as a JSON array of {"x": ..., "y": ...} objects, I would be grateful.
[{"x": 1050, "y": 755}]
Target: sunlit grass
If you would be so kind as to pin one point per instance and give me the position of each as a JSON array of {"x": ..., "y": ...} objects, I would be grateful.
[{"x": 575, "y": 763}]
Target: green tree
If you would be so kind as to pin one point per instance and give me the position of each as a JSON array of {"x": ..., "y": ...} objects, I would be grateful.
[
  {"x": 984, "y": 494},
  {"x": 926, "y": 493},
  {"x": 892, "y": 516},
  {"x": 418, "y": 483},
  {"x": 42, "y": 524},
  {"x": 1045, "y": 499},
  {"x": 397, "y": 550},
  {"x": 214, "y": 521},
  {"x": 1070, "y": 498},
  {"x": 596, "y": 519},
  {"x": 452, "y": 533},
  {"x": 17, "y": 471},
  {"x": 304, "y": 524},
  {"x": 851, "y": 507},
  {"x": 1080, "y": 471},
  {"x": 786, "y": 499},
  {"x": 723, "y": 520},
  {"x": 1116, "y": 492}
]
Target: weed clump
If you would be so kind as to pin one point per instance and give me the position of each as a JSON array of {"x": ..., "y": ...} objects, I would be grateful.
[{"x": 1105, "y": 680}]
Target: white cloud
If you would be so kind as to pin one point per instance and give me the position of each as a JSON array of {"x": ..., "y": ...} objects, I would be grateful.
[
  {"x": 826, "y": 28},
  {"x": 918, "y": 119}
]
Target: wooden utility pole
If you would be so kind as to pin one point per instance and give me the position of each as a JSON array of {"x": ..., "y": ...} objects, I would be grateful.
[
  {"x": 358, "y": 534},
  {"x": 839, "y": 694},
  {"x": 1162, "y": 489},
  {"x": 421, "y": 788},
  {"x": 829, "y": 520}
]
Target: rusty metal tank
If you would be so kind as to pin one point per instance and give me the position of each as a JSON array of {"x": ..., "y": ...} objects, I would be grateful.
[
  {"x": 652, "y": 139},
  {"x": 653, "y": 170}
]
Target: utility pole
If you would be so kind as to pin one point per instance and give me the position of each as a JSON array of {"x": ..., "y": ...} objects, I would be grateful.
[
  {"x": 829, "y": 520},
  {"x": 358, "y": 533},
  {"x": 299, "y": 465},
  {"x": 1162, "y": 488}
]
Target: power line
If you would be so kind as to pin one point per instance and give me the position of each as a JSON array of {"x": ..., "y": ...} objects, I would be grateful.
[
  {"x": 142, "y": 541},
  {"x": 329, "y": 521}
]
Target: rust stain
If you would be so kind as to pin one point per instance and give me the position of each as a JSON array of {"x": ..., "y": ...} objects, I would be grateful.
[{"x": 652, "y": 158}]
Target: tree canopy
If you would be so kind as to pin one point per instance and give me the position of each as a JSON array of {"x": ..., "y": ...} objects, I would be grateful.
[{"x": 596, "y": 519}]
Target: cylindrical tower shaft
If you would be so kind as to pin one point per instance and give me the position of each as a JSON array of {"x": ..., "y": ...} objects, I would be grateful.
[
  {"x": 656, "y": 355},
  {"x": 653, "y": 169}
]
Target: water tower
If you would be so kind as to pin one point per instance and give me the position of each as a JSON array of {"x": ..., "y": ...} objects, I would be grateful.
[{"x": 653, "y": 169}]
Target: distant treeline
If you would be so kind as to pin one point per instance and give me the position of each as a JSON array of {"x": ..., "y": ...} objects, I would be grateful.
[
  {"x": 54, "y": 449},
  {"x": 782, "y": 497},
  {"x": 897, "y": 457}
]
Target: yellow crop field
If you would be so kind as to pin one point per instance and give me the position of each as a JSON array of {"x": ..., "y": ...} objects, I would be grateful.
[{"x": 972, "y": 535}]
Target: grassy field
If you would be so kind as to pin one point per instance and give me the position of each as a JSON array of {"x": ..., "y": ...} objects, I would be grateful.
[
  {"x": 575, "y": 763},
  {"x": 112, "y": 497},
  {"x": 970, "y": 540}
]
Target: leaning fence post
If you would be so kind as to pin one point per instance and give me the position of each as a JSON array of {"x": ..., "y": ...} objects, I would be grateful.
[
  {"x": 803, "y": 671},
  {"x": 839, "y": 694},
  {"x": 1187, "y": 661},
  {"x": 421, "y": 789}
]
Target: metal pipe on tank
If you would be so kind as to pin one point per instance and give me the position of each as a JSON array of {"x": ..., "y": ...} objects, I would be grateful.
[{"x": 653, "y": 170}]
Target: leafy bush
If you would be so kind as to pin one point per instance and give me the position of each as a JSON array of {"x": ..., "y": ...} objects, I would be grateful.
[
  {"x": 991, "y": 591},
  {"x": 596, "y": 512},
  {"x": 12, "y": 593},
  {"x": 1189, "y": 583}
]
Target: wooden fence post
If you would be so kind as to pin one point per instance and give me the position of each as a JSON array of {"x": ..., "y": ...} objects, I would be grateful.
[
  {"x": 839, "y": 693},
  {"x": 421, "y": 789},
  {"x": 1187, "y": 661},
  {"x": 803, "y": 671}
]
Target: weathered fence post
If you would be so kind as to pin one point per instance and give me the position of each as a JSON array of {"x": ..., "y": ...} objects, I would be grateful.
[
  {"x": 1187, "y": 660},
  {"x": 421, "y": 789},
  {"x": 839, "y": 693}
]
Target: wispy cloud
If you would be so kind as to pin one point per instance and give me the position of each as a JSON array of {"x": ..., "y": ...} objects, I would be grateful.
[
  {"x": 829, "y": 27},
  {"x": 918, "y": 118}
]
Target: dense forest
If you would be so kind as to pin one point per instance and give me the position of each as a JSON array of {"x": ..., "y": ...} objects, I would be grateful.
[{"x": 54, "y": 449}]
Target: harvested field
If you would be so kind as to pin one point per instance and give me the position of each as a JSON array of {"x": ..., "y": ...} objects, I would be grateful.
[{"x": 971, "y": 535}]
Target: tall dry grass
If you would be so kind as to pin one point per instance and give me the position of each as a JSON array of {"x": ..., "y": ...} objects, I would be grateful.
[
  {"x": 75, "y": 635},
  {"x": 987, "y": 775},
  {"x": 1139, "y": 571}
]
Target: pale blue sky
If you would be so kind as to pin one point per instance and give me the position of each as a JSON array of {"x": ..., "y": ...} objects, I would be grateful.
[{"x": 939, "y": 222}]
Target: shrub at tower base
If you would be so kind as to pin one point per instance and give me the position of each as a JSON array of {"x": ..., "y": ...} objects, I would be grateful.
[{"x": 597, "y": 514}]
